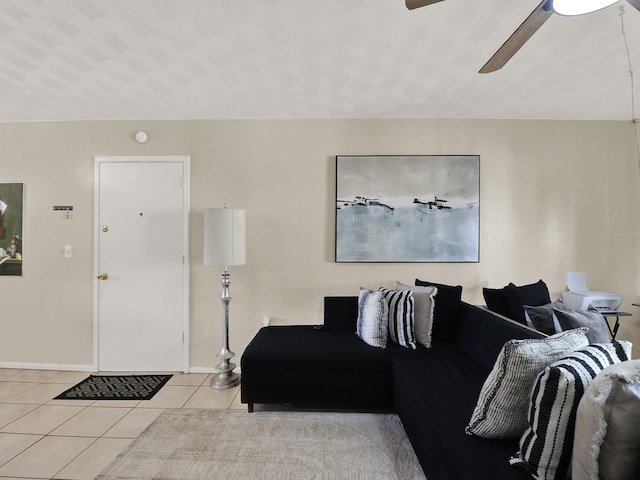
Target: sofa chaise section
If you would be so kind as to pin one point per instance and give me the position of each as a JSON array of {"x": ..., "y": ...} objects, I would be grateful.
[{"x": 326, "y": 366}]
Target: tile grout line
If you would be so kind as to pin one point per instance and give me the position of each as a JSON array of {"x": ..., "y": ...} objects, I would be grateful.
[
  {"x": 78, "y": 455},
  {"x": 22, "y": 451},
  {"x": 191, "y": 396},
  {"x": 38, "y": 407},
  {"x": 35, "y": 407}
]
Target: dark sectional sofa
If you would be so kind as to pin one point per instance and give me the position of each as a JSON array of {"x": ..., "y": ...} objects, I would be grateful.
[{"x": 433, "y": 390}]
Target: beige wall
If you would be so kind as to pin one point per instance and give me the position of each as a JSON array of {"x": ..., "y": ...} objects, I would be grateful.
[{"x": 556, "y": 196}]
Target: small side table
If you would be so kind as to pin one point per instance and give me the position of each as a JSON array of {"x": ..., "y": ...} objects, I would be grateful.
[{"x": 616, "y": 325}]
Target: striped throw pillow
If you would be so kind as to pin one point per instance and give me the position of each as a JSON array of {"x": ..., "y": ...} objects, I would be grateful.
[
  {"x": 372, "y": 324},
  {"x": 400, "y": 305},
  {"x": 546, "y": 445}
]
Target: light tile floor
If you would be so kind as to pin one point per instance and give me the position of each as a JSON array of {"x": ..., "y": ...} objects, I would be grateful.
[{"x": 41, "y": 438}]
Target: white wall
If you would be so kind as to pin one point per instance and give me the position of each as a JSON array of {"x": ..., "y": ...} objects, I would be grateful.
[{"x": 556, "y": 196}]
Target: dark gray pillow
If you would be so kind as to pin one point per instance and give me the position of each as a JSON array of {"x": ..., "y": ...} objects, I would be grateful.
[
  {"x": 592, "y": 319},
  {"x": 543, "y": 319}
]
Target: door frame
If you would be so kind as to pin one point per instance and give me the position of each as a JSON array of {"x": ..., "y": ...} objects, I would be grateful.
[{"x": 186, "y": 163}]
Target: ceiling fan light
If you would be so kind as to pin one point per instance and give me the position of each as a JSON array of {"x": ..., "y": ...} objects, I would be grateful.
[{"x": 579, "y": 7}]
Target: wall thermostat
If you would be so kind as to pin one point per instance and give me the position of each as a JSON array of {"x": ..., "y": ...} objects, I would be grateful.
[{"x": 142, "y": 137}]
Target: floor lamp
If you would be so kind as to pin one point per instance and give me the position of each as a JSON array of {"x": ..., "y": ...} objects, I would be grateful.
[{"x": 224, "y": 245}]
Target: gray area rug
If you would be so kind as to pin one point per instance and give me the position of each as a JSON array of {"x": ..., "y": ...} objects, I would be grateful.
[{"x": 194, "y": 444}]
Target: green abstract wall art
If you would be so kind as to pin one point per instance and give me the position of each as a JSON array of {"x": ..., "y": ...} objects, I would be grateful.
[{"x": 11, "y": 221}]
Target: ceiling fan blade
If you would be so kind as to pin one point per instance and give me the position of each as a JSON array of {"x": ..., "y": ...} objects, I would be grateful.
[
  {"x": 411, "y": 4},
  {"x": 524, "y": 32},
  {"x": 635, "y": 4}
]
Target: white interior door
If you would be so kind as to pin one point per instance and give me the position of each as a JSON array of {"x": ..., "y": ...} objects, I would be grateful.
[{"x": 142, "y": 263}]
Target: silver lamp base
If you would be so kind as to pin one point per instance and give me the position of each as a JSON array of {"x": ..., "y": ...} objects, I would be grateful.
[
  {"x": 224, "y": 380},
  {"x": 226, "y": 377}
]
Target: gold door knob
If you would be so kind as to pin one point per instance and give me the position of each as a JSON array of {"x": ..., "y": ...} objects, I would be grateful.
[{"x": 103, "y": 276}]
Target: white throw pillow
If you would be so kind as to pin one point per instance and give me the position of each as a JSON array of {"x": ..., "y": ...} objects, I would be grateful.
[
  {"x": 373, "y": 318},
  {"x": 501, "y": 411},
  {"x": 607, "y": 441},
  {"x": 423, "y": 305}
]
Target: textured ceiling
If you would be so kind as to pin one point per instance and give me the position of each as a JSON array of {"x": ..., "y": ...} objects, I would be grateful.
[{"x": 196, "y": 59}]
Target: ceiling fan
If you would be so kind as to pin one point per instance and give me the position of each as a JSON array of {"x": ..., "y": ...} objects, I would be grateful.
[{"x": 531, "y": 25}]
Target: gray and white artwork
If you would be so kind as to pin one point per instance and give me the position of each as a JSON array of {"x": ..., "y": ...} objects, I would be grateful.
[{"x": 408, "y": 208}]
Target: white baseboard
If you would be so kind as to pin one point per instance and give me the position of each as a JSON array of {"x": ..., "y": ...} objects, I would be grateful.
[
  {"x": 208, "y": 370},
  {"x": 47, "y": 366},
  {"x": 82, "y": 368}
]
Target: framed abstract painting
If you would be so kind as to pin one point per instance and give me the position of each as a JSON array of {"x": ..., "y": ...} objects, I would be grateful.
[{"x": 407, "y": 208}]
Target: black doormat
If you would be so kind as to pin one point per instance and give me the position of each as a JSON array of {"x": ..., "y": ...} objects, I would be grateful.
[{"x": 116, "y": 387}]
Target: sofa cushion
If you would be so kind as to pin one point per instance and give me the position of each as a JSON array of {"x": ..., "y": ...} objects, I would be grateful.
[
  {"x": 546, "y": 445},
  {"x": 501, "y": 411},
  {"x": 534, "y": 294},
  {"x": 496, "y": 300},
  {"x": 373, "y": 318},
  {"x": 543, "y": 319},
  {"x": 423, "y": 305},
  {"x": 434, "y": 397},
  {"x": 592, "y": 319},
  {"x": 607, "y": 438},
  {"x": 400, "y": 308},
  {"x": 301, "y": 349},
  {"x": 446, "y": 310}
]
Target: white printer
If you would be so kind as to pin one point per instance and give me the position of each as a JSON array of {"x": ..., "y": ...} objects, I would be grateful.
[{"x": 579, "y": 297}]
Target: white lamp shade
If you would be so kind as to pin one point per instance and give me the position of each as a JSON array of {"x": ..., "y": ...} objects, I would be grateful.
[
  {"x": 579, "y": 7},
  {"x": 224, "y": 237}
]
